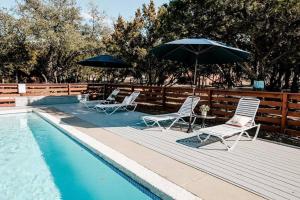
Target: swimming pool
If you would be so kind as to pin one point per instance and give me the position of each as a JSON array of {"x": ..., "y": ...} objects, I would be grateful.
[{"x": 38, "y": 161}]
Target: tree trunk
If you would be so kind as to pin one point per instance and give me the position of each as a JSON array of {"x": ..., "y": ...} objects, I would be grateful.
[
  {"x": 45, "y": 78},
  {"x": 287, "y": 79},
  {"x": 296, "y": 79},
  {"x": 55, "y": 76}
]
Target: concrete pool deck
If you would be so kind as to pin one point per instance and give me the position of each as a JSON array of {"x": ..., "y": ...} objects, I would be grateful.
[{"x": 201, "y": 184}]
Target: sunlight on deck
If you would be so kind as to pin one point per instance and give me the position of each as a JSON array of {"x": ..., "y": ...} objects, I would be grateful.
[{"x": 265, "y": 168}]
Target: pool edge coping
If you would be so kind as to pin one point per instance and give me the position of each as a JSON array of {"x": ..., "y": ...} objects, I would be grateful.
[{"x": 157, "y": 184}]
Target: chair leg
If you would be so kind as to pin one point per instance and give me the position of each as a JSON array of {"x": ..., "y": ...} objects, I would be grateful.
[
  {"x": 236, "y": 141},
  {"x": 194, "y": 120},
  {"x": 105, "y": 111},
  {"x": 147, "y": 124},
  {"x": 206, "y": 138},
  {"x": 98, "y": 109},
  {"x": 168, "y": 128},
  {"x": 117, "y": 108},
  {"x": 181, "y": 119},
  {"x": 134, "y": 108},
  {"x": 247, "y": 134},
  {"x": 256, "y": 133},
  {"x": 160, "y": 126},
  {"x": 223, "y": 141},
  {"x": 154, "y": 122}
]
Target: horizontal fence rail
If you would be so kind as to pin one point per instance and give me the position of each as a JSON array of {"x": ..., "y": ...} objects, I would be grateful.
[{"x": 278, "y": 111}]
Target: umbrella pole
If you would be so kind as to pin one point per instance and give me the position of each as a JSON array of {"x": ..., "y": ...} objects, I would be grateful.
[{"x": 190, "y": 129}]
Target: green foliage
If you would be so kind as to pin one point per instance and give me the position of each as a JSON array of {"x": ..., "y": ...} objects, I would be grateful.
[
  {"x": 44, "y": 38},
  {"x": 268, "y": 29},
  {"x": 133, "y": 40}
]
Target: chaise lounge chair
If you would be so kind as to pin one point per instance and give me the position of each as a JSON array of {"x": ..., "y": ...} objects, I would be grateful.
[
  {"x": 111, "y": 97},
  {"x": 129, "y": 101},
  {"x": 91, "y": 104},
  {"x": 185, "y": 111},
  {"x": 239, "y": 124}
]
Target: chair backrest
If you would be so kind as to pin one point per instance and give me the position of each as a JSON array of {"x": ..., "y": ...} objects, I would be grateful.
[
  {"x": 113, "y": 95},
  {"x": 247, "y": 107},
  {"x": 84, "y": 98},
  {"x": 134, "y": 95},
  {"x": 126, "y": 100},
  {"x": 189, "y": 105}
]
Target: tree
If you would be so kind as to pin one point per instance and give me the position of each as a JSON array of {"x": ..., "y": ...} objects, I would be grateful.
[
  {"x": 133, "y": 41},
  {"x": 269, "y": 30},
  {"x": 14, "y": 50},
  {"x": 43, "y": 40}
]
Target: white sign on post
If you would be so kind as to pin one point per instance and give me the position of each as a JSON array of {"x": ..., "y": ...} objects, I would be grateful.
[{"x": 22, "y": 88}]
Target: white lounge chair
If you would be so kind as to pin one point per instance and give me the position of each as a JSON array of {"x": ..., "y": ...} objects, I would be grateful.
[
  {"x": 239, "y": 124},
  {"x": 128, "y": 102},
  {"x": 111, "y": 97},
  {"x": 186, "y": 110},
  {"x": 91, "y": 104},
  {"x": 86, "y": 102}
]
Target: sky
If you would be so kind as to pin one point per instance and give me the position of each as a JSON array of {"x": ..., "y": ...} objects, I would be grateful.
[{"x": 112, "y": 8}]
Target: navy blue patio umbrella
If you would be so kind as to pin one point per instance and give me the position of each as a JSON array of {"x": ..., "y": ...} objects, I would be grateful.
[
  {"x": 195, "y": 51},
  {"x": 104, "y": 61}
]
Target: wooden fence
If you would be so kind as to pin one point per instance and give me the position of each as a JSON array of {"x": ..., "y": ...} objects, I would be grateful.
[
  {"x": 278, "y": 111},
  {"x": 43, "y": 89}
]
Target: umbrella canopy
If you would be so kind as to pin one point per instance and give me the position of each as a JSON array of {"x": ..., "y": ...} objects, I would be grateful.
[
  {"x": 104, "y": 61},
  {"x": 200, "y": 51}
]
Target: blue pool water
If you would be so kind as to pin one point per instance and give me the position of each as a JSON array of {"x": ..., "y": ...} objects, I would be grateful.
[{"x": 37, "y": 161}]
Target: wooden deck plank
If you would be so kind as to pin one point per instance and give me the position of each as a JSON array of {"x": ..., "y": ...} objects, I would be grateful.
[
  {"x": 271, "y": 188},
  {"x": 220, "y": 157},
  {"x": 265, "y": 168},
  {"x": 253, "y": 163}
]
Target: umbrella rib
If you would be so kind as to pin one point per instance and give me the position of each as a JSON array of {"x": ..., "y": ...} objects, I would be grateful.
[
  {"x": 172, "y": 50},
  {"x": 189, "y": 50},
  {"x": 205, "y": 50},
  {"x": 200, "y": 52}
]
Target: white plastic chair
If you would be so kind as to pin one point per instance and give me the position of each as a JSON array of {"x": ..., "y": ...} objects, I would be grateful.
[
  {"x": 186, "y": 110},
  {"x": 128, "y": 102},
  {"x": 247, "y": 107}
]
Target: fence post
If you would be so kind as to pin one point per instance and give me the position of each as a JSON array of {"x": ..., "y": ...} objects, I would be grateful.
[
  {"x": 209, "y": 94},
  {"x": 284, "y": 111},
  {"x": 47, "y": 90},
  {"x": 164, "y": 96},
  {"x": 69, "y": 89},
  {"x": 104, "y": 90},
  {"x": 209, "y": 99}
]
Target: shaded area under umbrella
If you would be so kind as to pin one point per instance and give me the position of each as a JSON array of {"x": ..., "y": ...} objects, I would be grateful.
[{"x": 199, "y": 51}]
